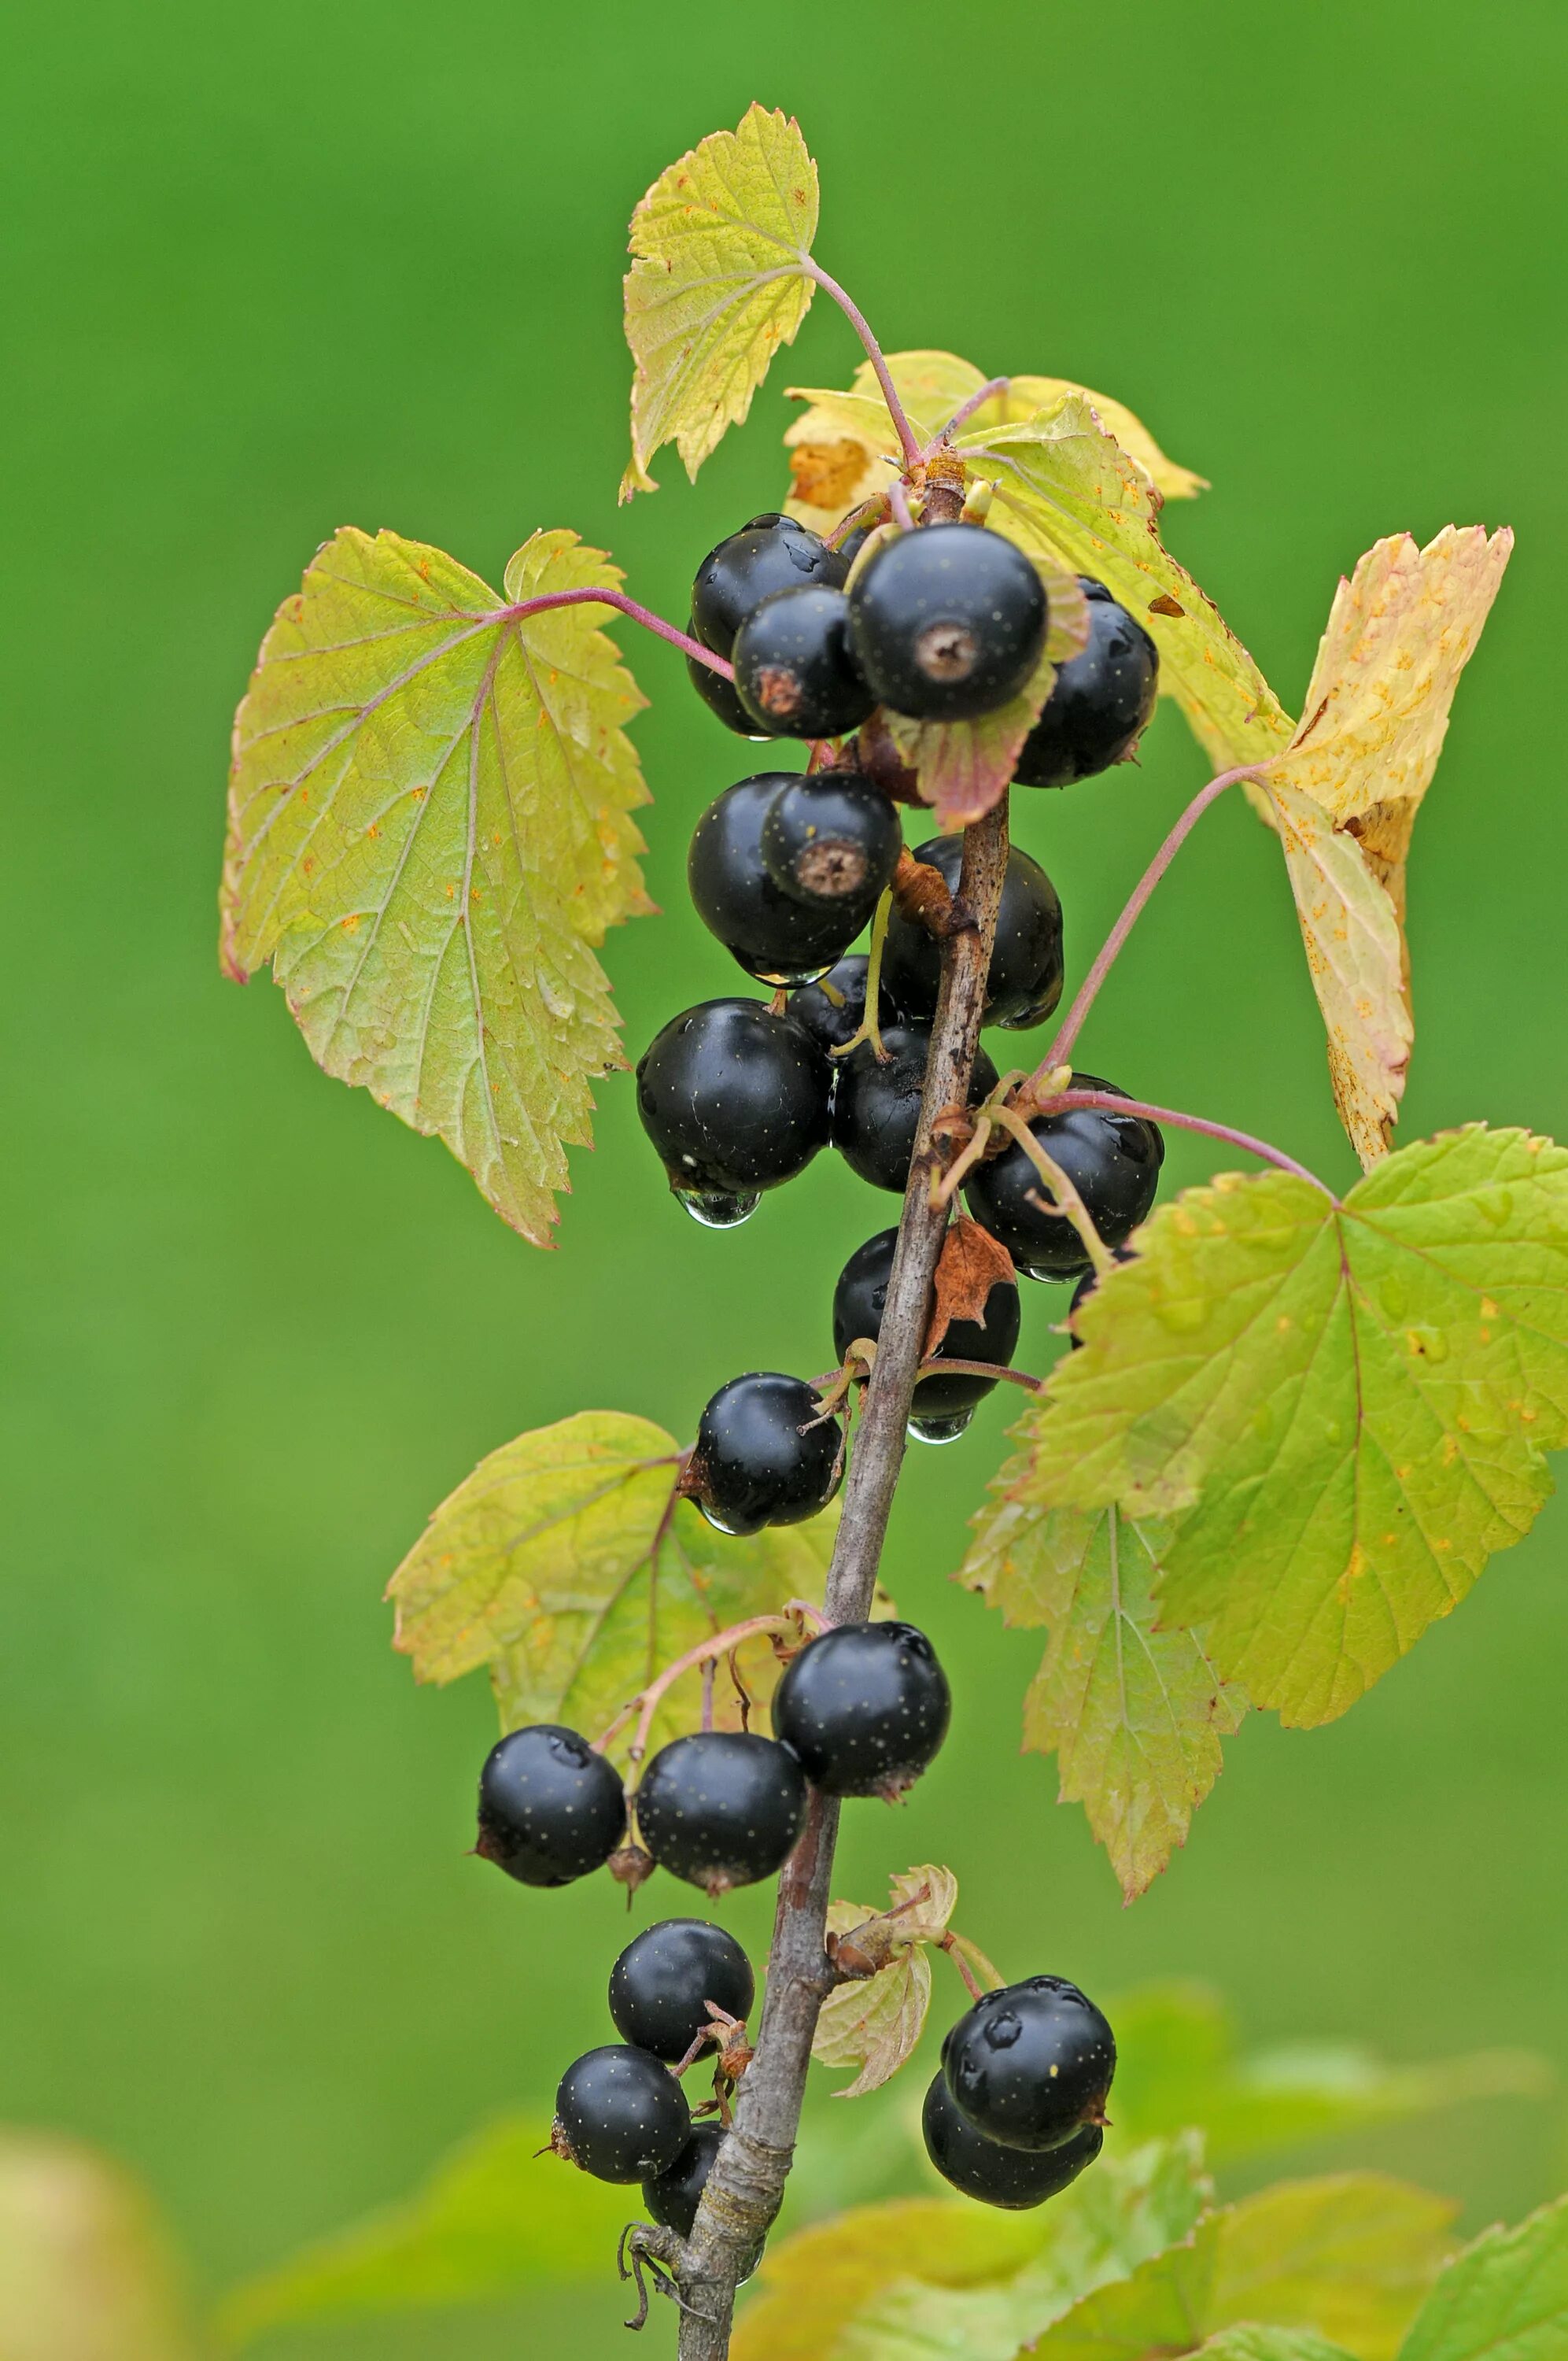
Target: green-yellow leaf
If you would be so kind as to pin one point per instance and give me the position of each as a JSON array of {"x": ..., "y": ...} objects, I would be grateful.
[
  {"x": 1133, "y": 1716},
  {"x": 567, "y": 1564},
  {"x": 1163, "y": 2308},
  {"x": 1251, "y": 2343},
  {"x": 873, "y": 2024},
  {"x": 1350, "y": 2255},
  {"x": 717, "y": 284},
  {"x": 1348, "y": 1403},
  {"x": 494, "y": 2217},
  {"x": 429, "y": 830},
  {"x": 1504, "y": 2299},
  {"x": 87, "y": 2269}
]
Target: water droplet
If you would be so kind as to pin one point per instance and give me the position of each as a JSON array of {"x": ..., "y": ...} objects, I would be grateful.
[
  {"x": 718, "y": 1522},
  {"x": 788, "y": 978},
  {"x": 939, "y": 1430},
  {"x": 716, "y": 1212}
]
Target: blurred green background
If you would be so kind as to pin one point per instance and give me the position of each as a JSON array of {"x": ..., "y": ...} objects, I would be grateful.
[{"x": 271, "y": 271}]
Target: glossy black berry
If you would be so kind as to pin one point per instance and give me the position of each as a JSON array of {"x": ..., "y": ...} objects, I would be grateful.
[
  {"x": 1013, "y": 2178},
  {"x": 860, "y": 1298},
  {"x": 734, "y": 1099},
  {"x": 770, "y": 553},
  {"x": 1031, "y": 2064},
  {"x": 1025, "y": 978},
  {"x": 718, "y": 693},
  {"x": 1112, "y": 1161},
  {"x": 621, "y": 2114},
  {"x": 721, "y": 1809},
  {"x": 764, "y": 1454},
  {"x": 876, "y": 1106},
  {"x": 830, "y": 837},
  {"x": 775, "y": 935},
  {"x": 794, "y": 670},
  {"x": 833, "y": 1009},
  {"x": 660, "y": 1980},
  {"x": 865, "y": 1707},
  {"x": 673, "y": 2197},
  {"x": 1084, "y": 1289},
  {"x": 550, "y": 1808},
  {"x": 1100, "y": 702},
  {"x": 948, "y": 623}
]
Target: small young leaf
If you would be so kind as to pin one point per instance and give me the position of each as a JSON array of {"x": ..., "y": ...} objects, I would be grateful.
[
  {"x": 87, "y": 2268},
  {"x": 1349, "y": 1403},
  {"x": 715, "y": 285},
  {"x": 428, "y": 829},
  {"x": 1027, "y": 395},
  {"x": 566, "y": 1564},
  {"x": 1350, "y": 2255},
  {"x": 873, "y": 2024},
  {"x": 1504, "y": 2299},
  {"x": 1134, "y": 1716}
]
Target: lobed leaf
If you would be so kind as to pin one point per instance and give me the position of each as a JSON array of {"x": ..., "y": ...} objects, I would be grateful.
[
  {"x": 87, "y": 2269},
  {"x": 716, "y": 286},
  {"x": 1133, "y": 1715},
  {"x": 874, "y": 2023},
  {"x": 1346, "y": 1406},
  {"x": 428, "y": 832},
  {"x": 1504, "y": 2299},
  {"x": 1162, "y": 2308},
  {"x": 1350, "y": 2256}
]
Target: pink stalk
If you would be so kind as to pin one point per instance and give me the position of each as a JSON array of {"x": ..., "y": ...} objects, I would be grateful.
[
  {"x": 966, "y": 411},
  {"x": 1059, "y": 1102},
  {"x": 908, "y": 442},
  {"x": 624, "y": 606}
]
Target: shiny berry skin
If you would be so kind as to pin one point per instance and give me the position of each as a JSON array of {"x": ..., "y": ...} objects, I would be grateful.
[
  {"x": 658, "y": 1985},
  {"x": 865, "y": 1707},
  {"x": 718, "y": 693},
  {"x": 770, "y": 553},
  {"x": 1025, "y": 978},
  {"x": 948, "y": 623},
  {"x": 721, "y": 1809},
  {"x": 1083, "y": 1290},
  {"x": 830, "y": 837},
  {"x": 794, "y": 671},
  {"x": 733, "y": 1098},
  {"x": 834, "y": 1024},
  {"x": 673, "y": 2197},
  {"x": 764, "y": 1454},
  {"x": 775, "y": 935},
  {"x": 1013, "y": 2178},
  {"x": 860, "y": 1298},
  {"x": 1112, "y": 1161},
  {"x": 550, "y": 1808},
  {"x": 1100, "y": 703},
  {"x": 621, "y": 2114},
  {"x": 1031, "y": 2064},
  {"x": 876, "y": 1108}
]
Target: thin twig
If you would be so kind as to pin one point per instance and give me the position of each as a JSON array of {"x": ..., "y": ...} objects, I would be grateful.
[
  {"x": 646, "y": 1704},
  {"x": 623, "y": 606},
  {"x": 966, "y": 410},
  {"x": 1066, "y": 1199},
  {"x": 908, "y": 441},
  {"x": 1059, "y": 1102}
]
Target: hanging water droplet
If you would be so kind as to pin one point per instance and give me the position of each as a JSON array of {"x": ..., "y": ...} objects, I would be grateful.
[
  {"x": 716, "y": 1212},
  {"x": 718, "y": 1522},
  {"x": 787, "y": 979},
  {"x": 939, "y": 1430}
]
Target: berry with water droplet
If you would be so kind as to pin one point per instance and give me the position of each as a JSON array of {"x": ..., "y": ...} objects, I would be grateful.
[
  {"x": 721, "y": 1809},
  {"x": 861, "y": 1299},
  {"x": 550, "y": 1808},
  {"x": 733, "y": 1098},
  {"x": 764, "y": 1454},
  {"x": 1023, "y": 982},
  {"x": 1031, "y": 2064},
  {"x": 775, "y": 935},
  {"x": 1112, "y": 1161},
  {"x": 769, "y": 552}
]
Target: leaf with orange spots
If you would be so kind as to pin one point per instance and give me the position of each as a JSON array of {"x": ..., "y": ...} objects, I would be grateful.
[
  {"x": 429, "y": 831},
  {"x": 1345, "y": 1408},
  {"x": 1345, "y": 792},
  {"x": 718, "y": 284}
]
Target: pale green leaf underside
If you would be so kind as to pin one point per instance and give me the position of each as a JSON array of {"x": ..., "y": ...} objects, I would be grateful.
[
  {"x": 715, "y": 285},
  {"x": 429, "y": 831},
  {"x": 872, "y": 2028},
  {"x": 1504, "y": 2299},
  {"x": 1347, "y": 1405}
]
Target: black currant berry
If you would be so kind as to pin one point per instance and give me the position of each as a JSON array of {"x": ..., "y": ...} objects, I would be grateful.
[
  {"x": 770, "y": 553},
  {"x": 833, "y": 1009},
  {"x": 764, "y": 1454},
  {"x": 794, "y": 671},
  {"x": 948, "y": 623},
  {"x": 876, "y": 1106},
  {"x": 621, "y": 2114},
  {"x": 1100, "y": 702},
  {"x": 735, "y": 1099},
  {"x": 1025, "y": 978},
  {"x": 1031, "y": 2064},
  {"x": 865, "y": 1707},
  {"x": 1084, "y": 1289},
  {"x": 550, "y": 1808},
  {"x": 830, "y": 837},
  {"x": 776, "y": 936},
  {"x": 673, "y": 2197},
  {"x": 658, "y": 1985},
  {"x": 1112, "y": 1161},
  {"x": 860, "y": 1298},
  {"x": 1013, "y": 2178},
  {"x": 718, "y": 693},
  {"x": 721, "y": 1809}
]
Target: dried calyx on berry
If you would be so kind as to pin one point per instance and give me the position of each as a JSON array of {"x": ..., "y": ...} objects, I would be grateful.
[
  {"x": 876, "y": 1103},
  {"x": 765, "y": 1453},
  {"x": 1031, "y": 2064},
  {"x": 736, "y": 1100},
  {"x": 1024, "y": 981},
  {"x": 776, "y": 933},
  {"x": 1112, "y": 1161},
  {"x": 831, "y": 839},
  {"x": 721, "y": 1809},
  {"x": 1100, "y": 702},
  {"x": 865, "y": 1707},
  {"x": 948, "y": 623},
  {"x": 550, "y": 1808},
  {"x": 795, "y": 672}
]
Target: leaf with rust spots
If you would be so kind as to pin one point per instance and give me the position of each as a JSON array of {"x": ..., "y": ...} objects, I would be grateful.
[
  {"x": 429, "y": 832},
  {"x": 970, "y": 1264},
  {"x": 716, "y": 286},
  {"x": 874, "y": 2023}
]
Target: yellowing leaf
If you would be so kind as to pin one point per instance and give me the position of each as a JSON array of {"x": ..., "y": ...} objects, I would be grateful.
[
  {"x": 716, "y": 286},
  {"x": 1350, "y": 2255},
  {"x": 1163, "y": 2307},
  {"x": 87, "y": 2272},
  {"x": 1028, "y": 394},
  {"x": 1345, "y": 793},
  {"x": 1251, "y": 2343},
  {"x": 567, "y": 1564},
  {"x": 1134, "y": 1716},
  {"x": 428, "y": 829},
  {"x": 873, "y": 2024},
  {"x": 1347, "y": 1405},
  {"x": 1504, "y": 2299}
]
